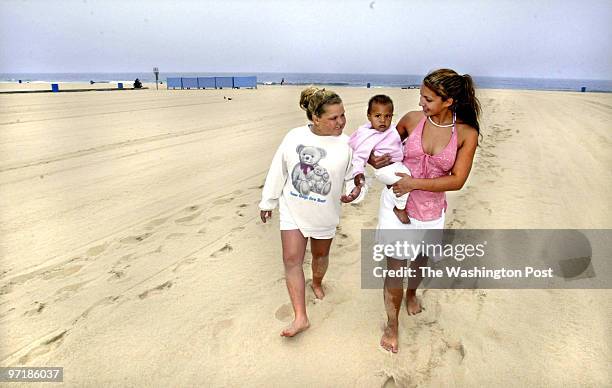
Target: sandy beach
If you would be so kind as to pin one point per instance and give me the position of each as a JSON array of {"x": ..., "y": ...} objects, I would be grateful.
[{"x": 132, "y": 253}]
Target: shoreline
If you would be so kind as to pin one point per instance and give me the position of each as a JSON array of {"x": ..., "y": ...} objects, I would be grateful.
[{"x": 324, "y": 79}]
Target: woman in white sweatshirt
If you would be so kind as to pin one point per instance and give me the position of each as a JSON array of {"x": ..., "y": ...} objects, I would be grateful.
[{"x": 306, "y": 180}]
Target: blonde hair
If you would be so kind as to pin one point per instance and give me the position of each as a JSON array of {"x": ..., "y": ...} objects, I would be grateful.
[{"x": 313, "y": 100}]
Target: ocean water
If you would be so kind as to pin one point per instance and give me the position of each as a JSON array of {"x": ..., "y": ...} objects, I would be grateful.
[{"x": 354, "y": 80}]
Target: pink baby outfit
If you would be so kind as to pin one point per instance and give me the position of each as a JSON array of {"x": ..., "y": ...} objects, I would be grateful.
[
  {"x": 365, "y": 139},
  {"x": 428, "y": 205}
]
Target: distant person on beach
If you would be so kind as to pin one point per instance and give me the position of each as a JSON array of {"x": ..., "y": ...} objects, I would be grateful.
[
  {"x": 137, "y": 84},
  {"x": 282, "y": 82},
  {"x": 306, "y": 181},
  {"x": 439, "y": 151},
  {"x": 378, "y": 136}
]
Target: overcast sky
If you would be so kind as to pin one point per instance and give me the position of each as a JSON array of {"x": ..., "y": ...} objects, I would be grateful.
[{"x": 521, "y": 38}]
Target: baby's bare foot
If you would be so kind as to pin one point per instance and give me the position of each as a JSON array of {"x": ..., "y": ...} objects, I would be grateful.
[{"x": 402, "y": 215}]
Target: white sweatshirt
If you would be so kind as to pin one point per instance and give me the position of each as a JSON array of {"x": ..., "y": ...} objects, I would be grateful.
[{"x": 307, "y": 174}]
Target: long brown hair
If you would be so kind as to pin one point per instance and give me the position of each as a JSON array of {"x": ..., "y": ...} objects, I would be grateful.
[{"x": 446, "y": 83}]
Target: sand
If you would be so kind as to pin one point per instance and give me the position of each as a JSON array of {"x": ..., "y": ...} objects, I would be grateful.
[
  {"x": 133, "y": 254},
  {"x": 42, "y": 85}
]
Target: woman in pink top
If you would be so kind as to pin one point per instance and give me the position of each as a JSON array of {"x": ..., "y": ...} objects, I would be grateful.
[{"x": 442, "y": 140}]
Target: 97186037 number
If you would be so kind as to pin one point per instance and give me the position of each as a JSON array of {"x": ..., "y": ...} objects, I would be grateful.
[{"x": 31, "y": 374}]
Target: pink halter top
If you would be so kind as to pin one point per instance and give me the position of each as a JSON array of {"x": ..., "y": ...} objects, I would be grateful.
[{"x": 427, "y": 205}]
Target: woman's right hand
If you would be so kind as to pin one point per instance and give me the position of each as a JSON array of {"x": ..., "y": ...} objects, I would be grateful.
[
  {"x": 265, "y": 215},
  {"x": 379, "y": 161}
]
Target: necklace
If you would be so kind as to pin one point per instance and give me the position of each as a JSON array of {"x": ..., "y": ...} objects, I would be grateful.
[{"x": 442, "y": 126}]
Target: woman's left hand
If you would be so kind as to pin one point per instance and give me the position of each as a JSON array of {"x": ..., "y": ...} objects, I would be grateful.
[{"x": 404, "y": 185}]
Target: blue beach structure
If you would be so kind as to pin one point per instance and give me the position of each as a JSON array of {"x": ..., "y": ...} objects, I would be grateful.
[
  {"x": 211, "y": 82},
  {"x": 245, "y": 82},
  {"x": 190, "y": 83},
  {"x": 174, "y": 83},
  {"x": 224, "y": 82},
  {"x": 206, "y": 82}
]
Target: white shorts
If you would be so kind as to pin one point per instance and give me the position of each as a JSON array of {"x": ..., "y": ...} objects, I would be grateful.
[
  {"x": 387, "y": 176},
  {"x": 287, "y": 223},
  {"x": 391, "y": 230}
]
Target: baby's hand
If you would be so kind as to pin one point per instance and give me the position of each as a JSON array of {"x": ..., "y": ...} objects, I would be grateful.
[
  {"x": 352, "y": 196},
  {"x": 265, "y": 215},
  {"x": 379, "y": 161},
  {"x": 359, "y": 180}
]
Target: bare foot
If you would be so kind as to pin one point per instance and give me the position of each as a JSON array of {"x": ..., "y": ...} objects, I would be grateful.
[
  {"x": 318, "y": 290},
  {"x": 389, "y": 338},
  {"x": 401, "y": 214},
  {"x": 295, "y": 328},
  {"x": 413, "y": 306}
]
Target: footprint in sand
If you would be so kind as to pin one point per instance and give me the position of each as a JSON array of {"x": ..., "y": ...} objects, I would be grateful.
[
  {"x": 174, "y": 236},
  {"x": 158, "y": 221},
  {"x": 126, "y": 258},
  {"x": 156, "y": 290},
  {"x": 191, "y": 217},
  {"x": 238, "y": 229},
  {"x": 135, "y": 239},
  {"x": 222, "y": 201},
  {"x": 67, "y": 291},
  {"x": 346, "y": 242},
  {"x": 185, "y": 263},
  {"x": 458, "y": 347},
  {"x": 95, "y": 251},
  {"x": 108, "y": 300},
  {"x": 38, "y": 308},
  {"x": 44, "y": 347},
  {"x": 284, "y": 313},
  {"x": 155, "y": 223},
  {"x": 6, "y": 289},
  {"x": 116, "y": 274},
  {"x": 227, "y": 248},
  {"x": 61, "y": 272},
  {"x": 215, "y": 218}
]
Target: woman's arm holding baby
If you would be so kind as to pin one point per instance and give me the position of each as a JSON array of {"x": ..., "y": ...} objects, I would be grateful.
[{"x": 458, "y": 175}]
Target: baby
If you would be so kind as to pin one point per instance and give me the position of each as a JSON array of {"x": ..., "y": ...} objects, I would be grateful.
[{"x": 381, "y": 137}]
